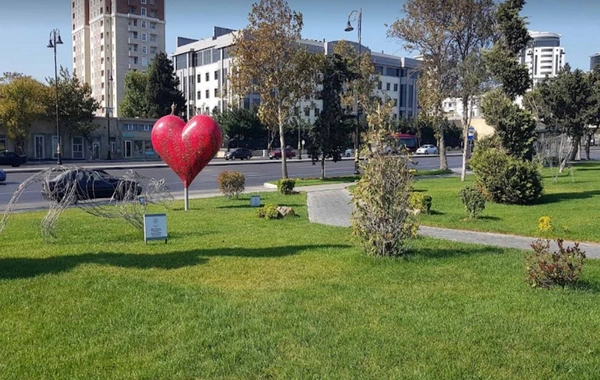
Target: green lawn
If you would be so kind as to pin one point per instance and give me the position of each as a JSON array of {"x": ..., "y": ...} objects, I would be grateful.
[
  {"x": 573, "y": 203},
  {"x": 354, "y": 178},
  {"x": 232, "y": 296}
]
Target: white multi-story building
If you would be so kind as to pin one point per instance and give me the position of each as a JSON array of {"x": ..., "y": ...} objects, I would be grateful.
[
  {"x": 453, "y": 107},
  {"x": 544, "y": 57},
  {"x": 112, "y": 37},
  {"x": 203, "y": 65}
]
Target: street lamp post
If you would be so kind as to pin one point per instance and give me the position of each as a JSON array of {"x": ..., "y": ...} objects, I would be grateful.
[
  {"x": 108, "y": 110},
  {"x": 349, "y": 28},
  {"x": 56, "y": 40}
]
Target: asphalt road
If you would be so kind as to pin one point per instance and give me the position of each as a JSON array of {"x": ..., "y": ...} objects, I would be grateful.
[{"x": 256, "y": 172}]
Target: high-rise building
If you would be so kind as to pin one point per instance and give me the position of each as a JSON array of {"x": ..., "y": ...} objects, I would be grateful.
[
  {"x": 203, "y": 65},
  {"x": 594, "y": 61},
  {"x": 544, "y": 56},
  {"x": 112, "y": 37}
]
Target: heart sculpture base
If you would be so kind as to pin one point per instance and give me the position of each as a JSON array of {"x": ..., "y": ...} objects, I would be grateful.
[{"x": 186, "y": 148}]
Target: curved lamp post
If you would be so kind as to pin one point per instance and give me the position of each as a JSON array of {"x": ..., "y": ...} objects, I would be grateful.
[
  {"x": 56, "y": 40},
  {"x": 349, "y": 28}
]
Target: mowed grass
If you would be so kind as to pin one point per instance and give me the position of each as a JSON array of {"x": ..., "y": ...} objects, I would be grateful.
[
  {"x": 355, "y": 178},
  {"x": 232, "y": 296},
  {"x": 573, "y": 203}
]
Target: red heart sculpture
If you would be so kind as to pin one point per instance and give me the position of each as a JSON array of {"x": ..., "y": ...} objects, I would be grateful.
[{"x": 186, "y": 148}]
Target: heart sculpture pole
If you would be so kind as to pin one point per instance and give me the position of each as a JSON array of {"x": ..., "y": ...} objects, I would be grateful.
[{"x": 186, "y": 148}]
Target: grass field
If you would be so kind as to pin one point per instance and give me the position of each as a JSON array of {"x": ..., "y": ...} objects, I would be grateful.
[
  {"x": 354, "y": 178},
  {"x": 232, "y": 296},
  {"x": 573, "y": 203}
]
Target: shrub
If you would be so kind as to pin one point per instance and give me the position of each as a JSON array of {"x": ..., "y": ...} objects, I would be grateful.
[
  {"x": 505, "y": 179},
  {"x": 286, "y": 185},
  {"x": 381, "y": 218},
  {"x": 473, "y": 200},
  {"x": 545, "y": 224},
  {"x": 231, "y": 183},
  {"x": 268, "y": 211},
  {"x": 562, "y": 267},
  {"x": 418, "y": 201}
]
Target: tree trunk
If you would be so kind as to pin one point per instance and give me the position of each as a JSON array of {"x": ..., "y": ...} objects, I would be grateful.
[
  {"x": 323, "y": 166},
  {"x": 574, "y": 148},
  {"x": 442, "y": 148},
  {"x": 465, "y": 124},
  {"x": 588, "y": 142},
  {"x": 284, "y": 172}
]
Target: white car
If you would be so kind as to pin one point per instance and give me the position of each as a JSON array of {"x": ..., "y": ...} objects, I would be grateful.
[
  {"x": 427, "y": 149},
  {"x": 349, "y": 152}
]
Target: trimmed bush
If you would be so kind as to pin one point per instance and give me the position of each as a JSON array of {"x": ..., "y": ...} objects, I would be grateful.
[
  {"x": 231, "y": 183},
  {"x": 286, "y": 185},
  {"x": 269, "y": 212},
  {"x": 545, "y": 224},
  {"x": 546, "y": 269},
  {"x": 421, "y": 202},
  {"x": 505, "y": 179},
  {"x": 473, "y": 200}
]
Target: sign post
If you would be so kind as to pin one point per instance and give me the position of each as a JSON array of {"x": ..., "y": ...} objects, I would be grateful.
[{"x": 155, "y": 227}]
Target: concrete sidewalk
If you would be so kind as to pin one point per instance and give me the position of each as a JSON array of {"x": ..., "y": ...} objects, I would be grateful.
[{"x": 333, "y": 207}]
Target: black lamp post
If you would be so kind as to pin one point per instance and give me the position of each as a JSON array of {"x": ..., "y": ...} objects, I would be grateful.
[
  {"x": 349, "y": 28},
  {"x": 108, "y": 110},
  {"x": 55, "y": 40}
]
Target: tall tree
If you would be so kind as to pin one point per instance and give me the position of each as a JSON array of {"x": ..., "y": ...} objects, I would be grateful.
[
  {"x": 268, "y": 60},
  {"x": 240, "y": 123},
  {"x": 568, "y": 99},
  {"x": 77, "y": 107},
  {"x": 515, "y": 126},
  {"x": 162, "y": 88},
  {"x": 22, "y": 101},
  {"x": 427, "y": 28},
  {"x": 594, "y": 108},
  {"x": 135, "y": 102},
  {"x": 472, "y": 30},
  {"x": 331, "y": 129}
]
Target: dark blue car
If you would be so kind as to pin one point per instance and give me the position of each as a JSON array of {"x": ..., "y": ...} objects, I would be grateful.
[
  {"x": 11, "y": 158},
  {"x": 2, "y": 176}
]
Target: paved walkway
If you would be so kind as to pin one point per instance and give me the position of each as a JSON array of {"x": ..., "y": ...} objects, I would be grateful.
[{"x": 333, "y": 207}]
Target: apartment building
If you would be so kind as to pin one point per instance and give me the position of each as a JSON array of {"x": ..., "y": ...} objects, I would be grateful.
[
  {"x": 544, "y": 57},
  {"x": 203, "y": 65},
  {"x": 112, "y": 37},
  {"x": 594, "y": 61}
]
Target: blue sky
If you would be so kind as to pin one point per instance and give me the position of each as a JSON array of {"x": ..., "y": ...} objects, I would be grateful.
[{"x": 25, "y": 26}]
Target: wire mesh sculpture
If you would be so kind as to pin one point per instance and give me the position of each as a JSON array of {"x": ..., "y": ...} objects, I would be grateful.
[{"x": 94, "y": 191}]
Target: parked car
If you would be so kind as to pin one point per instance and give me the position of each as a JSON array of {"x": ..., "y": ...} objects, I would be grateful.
[
  {"x": 2, "y": 175},
  {"x": 276, "y": 153},
  {"x": 11, "y": 158},
  {"x": 241, "y": 153},
  {"x": 90, "y": 184},
  {"x": 427, "y": 149},
  {"x": 349, "y": 152}
]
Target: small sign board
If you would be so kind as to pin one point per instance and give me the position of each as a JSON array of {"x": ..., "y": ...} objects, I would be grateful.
[
  {"x": 155, "y": 227},
  {"x": 471, "y": 133},
  {"x": 255, "y": 201}
]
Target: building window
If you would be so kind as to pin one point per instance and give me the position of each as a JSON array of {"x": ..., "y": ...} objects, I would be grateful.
[
  {"x": 146, "y": 128},
  {"x": 199, "y": 94},
  {"x": 144, "y": 37},
  {"x": 143, "y": 1},
  {"x": 217, "y": 75},
  {"x": 144, "y": 49},
  {"x": 395, "y": 102},
  {"x": 396, "y": 87},
  {"x": 207, "y": 77},
  {"x": 152, "y": 2},
  {"x": 152, "y": 49},
  {"x": 199, "y": 77},
  {"x": 144, "y": 24},
  {"x": 387, "y": 86},
  {"x": 144, "y": 61},
  {"x": 207, "y": 94},
  {"x": 143, "y": 11},
  {"x": 152, "y": 25},
  {"x": 307, "y": 112},
  {"x": 152, "y": 13},
  {"x": 153, "y": 37},
  {"x": 216, "y": 92},
  {"x": 379, "y": 85}
]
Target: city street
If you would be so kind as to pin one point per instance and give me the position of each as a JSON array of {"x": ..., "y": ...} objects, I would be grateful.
[{"x": 256, "y": 172}]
